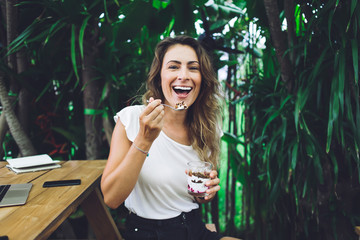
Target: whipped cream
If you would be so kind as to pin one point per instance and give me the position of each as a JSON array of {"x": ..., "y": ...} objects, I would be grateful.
[{"x": 196, "y": 185}]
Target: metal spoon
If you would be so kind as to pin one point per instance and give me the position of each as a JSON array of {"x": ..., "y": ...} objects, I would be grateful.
[{"x": 176, "y": 109}]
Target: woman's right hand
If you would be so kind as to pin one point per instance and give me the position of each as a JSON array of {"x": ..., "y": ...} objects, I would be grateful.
[
  {"x": 124, "y": 159},
  {"x": 151, "y": 120}
]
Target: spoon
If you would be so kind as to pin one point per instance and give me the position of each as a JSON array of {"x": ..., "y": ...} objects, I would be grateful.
[{"x": 176, "y": 109}]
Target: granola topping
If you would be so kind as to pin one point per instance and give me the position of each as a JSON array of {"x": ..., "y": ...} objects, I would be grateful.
[{"x": 180, "y": 105}]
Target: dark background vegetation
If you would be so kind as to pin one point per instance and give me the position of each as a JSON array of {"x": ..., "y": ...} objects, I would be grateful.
[{"x": 290, "y": 75}]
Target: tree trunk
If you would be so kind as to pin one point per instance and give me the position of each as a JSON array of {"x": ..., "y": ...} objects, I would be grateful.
[
  {"x": 3, "y": 130},
  {"x": 11, "y": 33},
  {"x": 108, "y": 129},
  {"x": 91, "y": 95},
  {"x": 289, "y": 14},
  {"x": 21, "y": 139},
  {"x": 23, "y": 109},
  {"x": 11, "y": 29},
  {"x": 3, "y": 41},
  {"x": 24, "y": 96},
  {"x": 106, "y": 121},
  {"x": 233, "y": 178},
  {"x": 25, "y": 146},
  {"x": 279, "y": 42},
  {"x": 3, "y": 14},
  {"x": 227, "y": 184}
]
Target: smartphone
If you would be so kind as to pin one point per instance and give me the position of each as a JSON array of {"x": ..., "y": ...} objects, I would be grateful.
[{"x": 60, "y": 183}]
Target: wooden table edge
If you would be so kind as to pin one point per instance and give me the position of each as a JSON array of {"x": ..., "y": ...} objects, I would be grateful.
[{"x": 68, "y": 211}]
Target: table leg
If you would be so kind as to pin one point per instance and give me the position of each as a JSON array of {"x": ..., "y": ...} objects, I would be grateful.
[{"x": 99, "y": 217}]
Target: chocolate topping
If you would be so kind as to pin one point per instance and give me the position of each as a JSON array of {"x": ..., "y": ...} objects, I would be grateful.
[{"x": 200, "y": 174}]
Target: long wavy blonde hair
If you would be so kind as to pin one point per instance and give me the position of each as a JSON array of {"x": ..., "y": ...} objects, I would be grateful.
[{"x": 203, "y": 117}]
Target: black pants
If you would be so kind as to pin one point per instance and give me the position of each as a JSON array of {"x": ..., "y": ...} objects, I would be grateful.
[{"x": 186, "y": 226}]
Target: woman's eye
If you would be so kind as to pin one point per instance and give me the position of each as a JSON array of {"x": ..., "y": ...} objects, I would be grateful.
[
  {"x": 194, "y": 68},
  {"x": 173, "y": 67}
]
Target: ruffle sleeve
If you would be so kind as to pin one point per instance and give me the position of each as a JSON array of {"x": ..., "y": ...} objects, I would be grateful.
[{"x": 129, "y": 117}]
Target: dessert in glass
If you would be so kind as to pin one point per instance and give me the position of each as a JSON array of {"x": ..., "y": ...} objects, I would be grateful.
[{"x": 198, "y": 173}]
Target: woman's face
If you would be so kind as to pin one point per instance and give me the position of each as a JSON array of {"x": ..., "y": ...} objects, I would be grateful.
[{"x": 180, "y": 75}]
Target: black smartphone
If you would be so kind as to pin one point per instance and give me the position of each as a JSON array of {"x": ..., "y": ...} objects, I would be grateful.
[{"x": 60, "y": 183}]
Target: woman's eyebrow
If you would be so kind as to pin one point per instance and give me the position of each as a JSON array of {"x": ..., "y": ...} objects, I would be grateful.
[
  {"x": 173, "y": 61},
  {"x": 191, "y": 62},
  {"x": 178, "y": 62}
]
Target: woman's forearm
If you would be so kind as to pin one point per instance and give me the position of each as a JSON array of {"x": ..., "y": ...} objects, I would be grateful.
[
  {"x": 118, "y": 184},
  {"x": 123, "y": 167}
]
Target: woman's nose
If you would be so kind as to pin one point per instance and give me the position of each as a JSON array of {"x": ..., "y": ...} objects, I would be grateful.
[{"x": 183, "y": 74}]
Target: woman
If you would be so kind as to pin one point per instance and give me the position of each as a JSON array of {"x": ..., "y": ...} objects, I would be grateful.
[{"x": 152, "y": 143}]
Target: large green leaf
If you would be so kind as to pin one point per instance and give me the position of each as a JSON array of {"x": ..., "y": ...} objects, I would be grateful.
[
  {"x": 73, "y": 50},
  {"x": 81, "y": 36},
  {"x": 355, "y": 56},
  {"x": 231, "y": 138},
  {"x": 18, "y": 43},
  {"x": 352, "y": 10}
]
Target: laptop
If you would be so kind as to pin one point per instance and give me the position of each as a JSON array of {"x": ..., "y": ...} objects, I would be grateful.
[{"x": 14, "y": 194}]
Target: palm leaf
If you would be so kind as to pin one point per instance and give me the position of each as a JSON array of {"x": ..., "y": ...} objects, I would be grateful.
[
  {"x": 24, "y": 36},
  {"x": 81, "y": 36},
  {"x": 73, "y": 50},
  {"x": 355, "y": 56},
  {"x": 231, "y": 138},
  {"x": 58, "y": 25}
]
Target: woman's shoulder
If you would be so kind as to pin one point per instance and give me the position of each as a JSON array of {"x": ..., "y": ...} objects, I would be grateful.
[
  {"x": 129, "y": 117},
  {"x": 133, "y": 109},
  {"x": 129, "y": 112}
]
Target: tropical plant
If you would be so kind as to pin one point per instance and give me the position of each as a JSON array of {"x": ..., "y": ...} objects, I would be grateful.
[
  {"x": 301, "y": 174},
  {"x": 85, "y": 60},
  {"x": 292, "y": 115}
]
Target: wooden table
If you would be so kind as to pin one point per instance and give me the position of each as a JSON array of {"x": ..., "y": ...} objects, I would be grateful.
[{"x": 47, "y": 208}]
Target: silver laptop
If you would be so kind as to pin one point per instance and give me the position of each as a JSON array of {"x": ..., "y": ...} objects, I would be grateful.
[{"x": 14, "y": 194}]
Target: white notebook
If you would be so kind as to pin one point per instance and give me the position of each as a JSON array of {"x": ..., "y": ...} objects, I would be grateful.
[{"x": 32, "y": 163}]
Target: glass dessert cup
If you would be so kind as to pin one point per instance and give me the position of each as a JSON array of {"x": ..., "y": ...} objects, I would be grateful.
[{"x": 198, "y": 173}]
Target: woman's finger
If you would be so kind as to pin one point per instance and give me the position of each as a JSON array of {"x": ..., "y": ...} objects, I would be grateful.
[
  {"x": 212, "y": 182},
  {"x": 150, "y": 107},
  {"x": 213, "y": 174},
  {"x": 213, "y": 190},
  {"x": 152, "y": 112},
  {"x": 158, "y": 113}
]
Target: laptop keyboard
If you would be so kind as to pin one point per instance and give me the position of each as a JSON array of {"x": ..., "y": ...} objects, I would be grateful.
[{"x": 3, "y": 191}]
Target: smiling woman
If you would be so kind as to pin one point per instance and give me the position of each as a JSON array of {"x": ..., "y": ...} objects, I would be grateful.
[
  {"x": 204, "y": 113},
  {"x": 180, "y": 75},
  {"x": 151, "y": 146}
]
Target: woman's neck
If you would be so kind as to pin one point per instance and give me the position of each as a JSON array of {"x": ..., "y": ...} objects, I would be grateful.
[{"x": 175, "y": 127}]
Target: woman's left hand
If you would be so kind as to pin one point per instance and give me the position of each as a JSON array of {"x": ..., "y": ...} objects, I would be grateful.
[{"x": 213, "y": 185}]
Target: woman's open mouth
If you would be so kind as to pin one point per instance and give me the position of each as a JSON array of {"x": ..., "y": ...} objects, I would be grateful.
[{"x": 182, "y": 91}]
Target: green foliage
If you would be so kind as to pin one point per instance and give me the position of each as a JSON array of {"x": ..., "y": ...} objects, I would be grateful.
[
  {"x": 295, "y": 154},
  {"x": 125, "y": 32},
  {"x": 54, "y": 43},
  {"x": 304, "y": 145}
]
